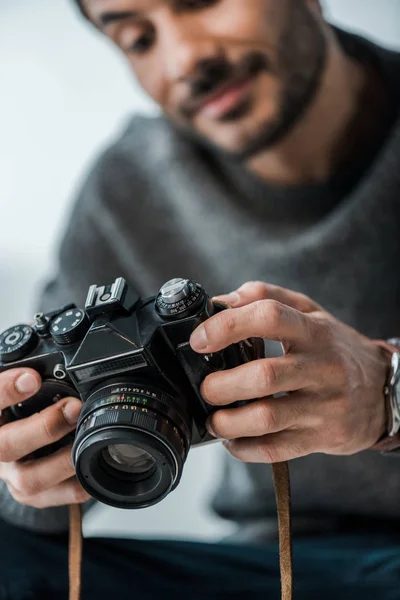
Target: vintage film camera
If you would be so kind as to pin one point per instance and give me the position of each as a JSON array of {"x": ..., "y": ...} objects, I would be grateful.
[{"x": 130, "y": 362}]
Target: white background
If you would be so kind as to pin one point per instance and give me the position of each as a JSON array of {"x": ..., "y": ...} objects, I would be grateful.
[{"x": 63, "y": 94}]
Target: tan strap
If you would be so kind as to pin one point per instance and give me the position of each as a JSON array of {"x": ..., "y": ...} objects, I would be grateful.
[
  {"x": 75, "y": 551},
  {"x": 282, "y": 491}
]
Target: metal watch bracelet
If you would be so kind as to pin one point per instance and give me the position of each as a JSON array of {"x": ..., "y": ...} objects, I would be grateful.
[{"x": 389, "y": 444}]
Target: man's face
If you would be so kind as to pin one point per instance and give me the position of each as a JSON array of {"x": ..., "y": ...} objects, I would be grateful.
[{"x": 237, "y": 72}]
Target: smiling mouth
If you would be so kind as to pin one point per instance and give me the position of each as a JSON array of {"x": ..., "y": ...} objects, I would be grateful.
[{"x": 227, "y": 100}]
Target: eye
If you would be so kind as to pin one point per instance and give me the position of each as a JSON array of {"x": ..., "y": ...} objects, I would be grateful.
[
  {"x": 143, "y": 43},
  {"x": 196, "y": 4}
]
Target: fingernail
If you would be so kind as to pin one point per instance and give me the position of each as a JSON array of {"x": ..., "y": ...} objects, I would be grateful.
[
  {"x": 210, "y": 429},
  {"x": 198, "y": 339},
  {"x": 202, "y": 393},
  {"x": 72, "y": 411},
  {"x": 27, "y": 384},
  {"x": 233, "y": 298}
]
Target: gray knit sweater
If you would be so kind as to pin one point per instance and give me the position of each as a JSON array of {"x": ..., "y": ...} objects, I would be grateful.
[{"x": 158, "y": 205}]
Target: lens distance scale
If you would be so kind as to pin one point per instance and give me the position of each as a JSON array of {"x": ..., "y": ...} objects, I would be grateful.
[
  {"x": 139, "y": 417},
  {"x": 16, "y": 342}
]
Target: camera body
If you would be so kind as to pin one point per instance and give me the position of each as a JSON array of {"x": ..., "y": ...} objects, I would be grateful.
[{"x": 130, "y": 362}]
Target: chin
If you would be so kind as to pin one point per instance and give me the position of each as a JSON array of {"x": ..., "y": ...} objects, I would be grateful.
[
  {"x": 242, "y": 141},
  {"x": 243, "y": 136}
]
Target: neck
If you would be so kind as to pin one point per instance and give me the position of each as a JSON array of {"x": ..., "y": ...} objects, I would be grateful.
[{"x": 327, "y": 135}]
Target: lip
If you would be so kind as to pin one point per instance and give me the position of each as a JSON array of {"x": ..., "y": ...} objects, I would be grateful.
[{"x": 225, "y": 99}]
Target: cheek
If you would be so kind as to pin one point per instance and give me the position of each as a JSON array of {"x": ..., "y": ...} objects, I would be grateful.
[
  {"x": 152, "y": 80},
  {"x": 246, "y": 23}
]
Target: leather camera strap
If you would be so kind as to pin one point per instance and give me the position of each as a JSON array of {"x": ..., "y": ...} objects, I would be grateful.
[
  {"x": 282, "y": 491},
  {"x": 75, "y": 551}
]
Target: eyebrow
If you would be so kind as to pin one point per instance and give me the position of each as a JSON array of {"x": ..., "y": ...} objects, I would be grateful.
[{"x": 112, "y": 17}]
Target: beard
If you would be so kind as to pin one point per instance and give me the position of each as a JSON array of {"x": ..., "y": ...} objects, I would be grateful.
[
  {"x": 301, "y": 60},
  {"x": 297, "y": 63}
]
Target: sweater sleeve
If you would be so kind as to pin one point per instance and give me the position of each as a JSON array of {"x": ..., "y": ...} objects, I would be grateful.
[
  {"x": 53, "y": 520},
  {"x": 85, "y": 257}
]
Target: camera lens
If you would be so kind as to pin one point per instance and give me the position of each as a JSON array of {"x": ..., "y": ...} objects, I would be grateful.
[
  {"x": 128, "y": 458},
  {"x": 131, "y": 443}
]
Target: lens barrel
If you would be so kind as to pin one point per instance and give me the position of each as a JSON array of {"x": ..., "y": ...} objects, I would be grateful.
[{"x": 131, "y": 443}]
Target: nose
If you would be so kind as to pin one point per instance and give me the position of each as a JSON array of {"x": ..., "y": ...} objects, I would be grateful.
[{"x": 184, "y": 45}]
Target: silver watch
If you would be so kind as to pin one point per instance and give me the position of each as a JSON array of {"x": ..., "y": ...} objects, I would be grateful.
[{"x": 393, "y": 388}]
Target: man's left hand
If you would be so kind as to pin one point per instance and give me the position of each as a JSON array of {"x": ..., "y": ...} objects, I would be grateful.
[{"x": 332, "y": 375}]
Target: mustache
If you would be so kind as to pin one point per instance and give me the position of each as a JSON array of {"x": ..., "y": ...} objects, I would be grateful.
[{"x": 213, "y": 75}]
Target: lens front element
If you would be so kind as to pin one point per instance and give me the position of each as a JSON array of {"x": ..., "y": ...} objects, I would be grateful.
[
  {"x": 131, "y": 443},
  {"x": 128, "y": 459}
]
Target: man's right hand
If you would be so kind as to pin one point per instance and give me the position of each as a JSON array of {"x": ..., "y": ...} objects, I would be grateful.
[{"x": 42, "y": 482}]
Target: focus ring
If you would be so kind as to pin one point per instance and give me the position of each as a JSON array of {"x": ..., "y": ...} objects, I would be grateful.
[{"x": 126, "y": 415}]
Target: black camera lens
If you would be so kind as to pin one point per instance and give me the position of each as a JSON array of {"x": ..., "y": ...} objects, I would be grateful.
[
  {"x": 131, "y": 443},
  {"x": 128, "y": 459}
]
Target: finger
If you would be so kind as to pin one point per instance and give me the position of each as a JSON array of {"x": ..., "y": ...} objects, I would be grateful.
[
  {"x": 276, "y": 447},
  {"x": 265, "y": 416},
  {"x": 35, "y": 476},
  {"x": 258, "y": 290},
  {"x": 67, "y": 492},
  {"x": 265, "y": 318},
  {"x": 22, "y": 437},
  {"x": 263, "y": 377},
  {"x": 17, "y": 385}
]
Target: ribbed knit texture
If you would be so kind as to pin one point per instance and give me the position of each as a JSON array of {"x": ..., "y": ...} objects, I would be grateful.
[{"x": 159, "y": 205}]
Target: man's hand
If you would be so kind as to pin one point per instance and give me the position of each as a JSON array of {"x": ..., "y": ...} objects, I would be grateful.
[
  {"x": 43, "y": 482},
  {"x": 333, "y": 376}
]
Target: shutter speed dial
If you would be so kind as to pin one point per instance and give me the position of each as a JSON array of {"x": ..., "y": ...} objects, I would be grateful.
[
  {"x": 17, "y": 342},
  {"x": 179, "y": 298},
  {"x": 69, "y": 327}
]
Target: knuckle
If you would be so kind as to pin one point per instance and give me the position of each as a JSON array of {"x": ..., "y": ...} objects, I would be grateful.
[
  {"x": 8, "y": 393},
  {"x": 66, "y": 465},
  {"x": 18, "y": 496},
  {"x": 267, "y": 376},
  {"x": 78, "y": 494},
  {"x": 6, "y": 448},
  {"x": 258, "y": 288},
  {"x": 22, "y": 481},
  {"x": 268, "y": 454},
  {"x": 47, "y": 428},
  {"x": 53, "y": 424},
  {"x": 325, "y": 331},
  {"x": 270, "y": 311},
  {"x": 265, "y": 417},
  {"x": 304, "y": 303},
  {"x": 340, "y": 369}
]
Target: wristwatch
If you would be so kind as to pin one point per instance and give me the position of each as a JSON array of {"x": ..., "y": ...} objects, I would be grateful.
[{"x": 390, "y": 442}]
